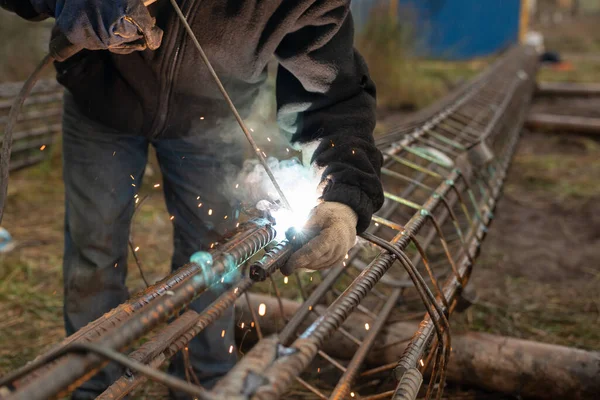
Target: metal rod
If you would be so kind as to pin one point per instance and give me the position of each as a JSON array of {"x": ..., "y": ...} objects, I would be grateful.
[{"x": 232, "y": 107}]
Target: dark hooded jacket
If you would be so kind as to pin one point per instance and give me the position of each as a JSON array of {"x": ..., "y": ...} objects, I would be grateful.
[{"x": 324, "y": 91}]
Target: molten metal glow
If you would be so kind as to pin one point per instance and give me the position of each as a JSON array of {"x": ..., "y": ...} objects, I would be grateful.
[{"x": 298, "y": 183}]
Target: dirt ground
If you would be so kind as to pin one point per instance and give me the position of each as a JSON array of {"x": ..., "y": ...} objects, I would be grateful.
[
  {"x": 539, "y": 271},
  {"x": 538, "y": 275}
]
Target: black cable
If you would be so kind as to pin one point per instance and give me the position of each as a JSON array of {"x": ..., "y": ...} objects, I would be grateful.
[{"x": 13, "y": 117}]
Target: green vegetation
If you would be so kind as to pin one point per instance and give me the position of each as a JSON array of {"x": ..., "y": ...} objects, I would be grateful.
[
  {"x": 22, "y": 46},
  {"x": 405, "y": 82}
]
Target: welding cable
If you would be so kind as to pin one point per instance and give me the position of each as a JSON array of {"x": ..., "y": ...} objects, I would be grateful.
[
  {"x": 60, "y": 50},
  {"x": 112, "y": 355},
  {"x": 229, "y": 102},
  {"x": 425, "y": 294},
  {"x": 13, "y": 117}
]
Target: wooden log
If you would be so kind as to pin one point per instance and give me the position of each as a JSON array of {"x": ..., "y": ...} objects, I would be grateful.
[
  {"x": 501, "y": 364},
  {"x": 549, "y": 122},
  {"x": 565, "y": 89}
]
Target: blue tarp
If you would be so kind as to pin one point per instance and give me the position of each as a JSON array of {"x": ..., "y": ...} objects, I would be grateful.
[{"x": 455, "y": 29}]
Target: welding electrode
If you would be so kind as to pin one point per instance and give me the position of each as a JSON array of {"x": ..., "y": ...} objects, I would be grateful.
[{"x": 277, "y": 257}]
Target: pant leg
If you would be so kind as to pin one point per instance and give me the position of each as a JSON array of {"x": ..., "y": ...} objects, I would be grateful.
[
  {"x": 193, "y": 171},
  {"x": 99, "y": 164}
]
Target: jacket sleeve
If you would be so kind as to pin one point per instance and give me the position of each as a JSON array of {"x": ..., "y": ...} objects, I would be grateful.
[
  {"x": 23, "y": 8},
  {"x": 325, "y": 94}
]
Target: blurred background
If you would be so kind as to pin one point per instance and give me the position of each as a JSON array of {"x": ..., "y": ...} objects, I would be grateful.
[{"x": 543, "y": 249}]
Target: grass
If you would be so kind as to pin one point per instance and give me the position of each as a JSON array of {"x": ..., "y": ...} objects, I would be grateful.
[
  {"x": 568, "y": 176},
  {"x": 405, "y": 82},
  {"x": 22, "y": 46},
  {"x": 578, "y": 43}
]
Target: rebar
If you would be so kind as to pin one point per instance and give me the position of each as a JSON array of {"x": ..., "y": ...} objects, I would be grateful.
[{"x": 439, "y": 204}]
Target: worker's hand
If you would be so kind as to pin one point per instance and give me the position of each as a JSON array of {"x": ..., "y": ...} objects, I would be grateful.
[
  {"x": 331, "y": 228},
  {"x": 121, "y": 26}
]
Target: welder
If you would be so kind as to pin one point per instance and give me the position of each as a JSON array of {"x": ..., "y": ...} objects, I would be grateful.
[{"x": 140, "y": 82}]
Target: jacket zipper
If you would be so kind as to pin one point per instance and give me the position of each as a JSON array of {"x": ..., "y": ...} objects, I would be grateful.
[{"x": 160, "y": 121}]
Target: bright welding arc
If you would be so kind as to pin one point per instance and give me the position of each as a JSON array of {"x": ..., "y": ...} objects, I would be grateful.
[{"x": 232, "y": 107}]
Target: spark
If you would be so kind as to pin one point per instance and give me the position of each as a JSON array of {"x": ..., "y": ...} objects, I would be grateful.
[
  {"x": 236, "y": 290},
  {"x": 252, "y": 324},
  {"x": 309, "y": 308},
  {"x": 172, "y": 217},
  {"x": 225, "y": 217},
  {"x": 132, "y": 178},
  {"x": 137, "y": 248},
  {"x": 198, "y": 198},
  {"x": 318, "y": 370},
  {"x": 376, "y": 224},
  {"x": 264, "y": 154},
  {"x": 116, "y": 265},
  {"x": 210, "y": 211},
  {"x": 269, "y": 139},
  {"x": 347, "y": 256},
  {"x": 199, "y": 205},
  {"x": 212, "y": 245},
  {"x": 222, "y": 279},
  {"x": 344, "y": 263},
  {"x": 286, "y": 149},
  {"x": 223, "y": 333},
  {"x": 137, "y": 200},
  {"x": 136, "y": 195},
  {"x": 187, "y": 349},
  {"x": 351, "y": 394},
  {"x": 242, "y": 325},
  {"x": 230, "y": 349},
  {"x": 237, "y": 225},
  {"x": 157, "y": 185},
  {"x": 422, "y": 363},
  {"x": 367, "y": 327},
  {"x": 133, "y": 184},
  {"x": 251, "y": 130},
  {"x": 353, "y": 152},
  {"x": 201, "y": 118},
  {"x": 332, "y": 144},
  {"x": 262, "y": 309},
  {"x": 285, "y": 280},
  {"x": 43, "y": 147},
  {"x": 257, "y": 149},
  {"x": 311, "y": 278},
  {"x": 114, "y": 152},
  {"x": 237, "y": 185}
]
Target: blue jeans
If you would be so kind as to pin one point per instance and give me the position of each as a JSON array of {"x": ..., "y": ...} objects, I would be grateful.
[{"x": 103, "y": 171}]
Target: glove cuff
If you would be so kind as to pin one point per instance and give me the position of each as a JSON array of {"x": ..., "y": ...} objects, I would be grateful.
[{"x": 353, "y": 197}]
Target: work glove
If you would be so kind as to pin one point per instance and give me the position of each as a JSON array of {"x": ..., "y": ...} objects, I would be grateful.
[
  {"x": 331, "y": 233},
  {"x": 121, "y": 26}
]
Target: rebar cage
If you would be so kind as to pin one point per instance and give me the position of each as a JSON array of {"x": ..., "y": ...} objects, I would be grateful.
[{"x": 355, "y": 332}]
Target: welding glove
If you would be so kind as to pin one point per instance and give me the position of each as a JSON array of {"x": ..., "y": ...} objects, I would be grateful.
[
  {"x": 331, "y": 230},
  {"x": 121, "y": 26}
]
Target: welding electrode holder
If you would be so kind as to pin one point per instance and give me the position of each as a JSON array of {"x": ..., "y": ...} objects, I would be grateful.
[
  {"x": 61, "y": 48},
  {"x": 277, "y": 257}
]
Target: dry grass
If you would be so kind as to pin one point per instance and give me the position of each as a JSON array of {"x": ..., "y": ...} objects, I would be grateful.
[
  {"x": 405, "y": 82},
  {"x": 22, "y": 46}
]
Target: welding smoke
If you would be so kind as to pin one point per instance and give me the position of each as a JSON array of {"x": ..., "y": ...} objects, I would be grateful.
[{"x": 300, "y": 185}]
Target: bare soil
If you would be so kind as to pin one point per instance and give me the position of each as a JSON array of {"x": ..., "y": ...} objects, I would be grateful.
[{"x": 538, "y": 276}]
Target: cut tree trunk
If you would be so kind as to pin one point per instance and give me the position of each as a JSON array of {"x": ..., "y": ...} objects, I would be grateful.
[{"x": 501, "y": 364}]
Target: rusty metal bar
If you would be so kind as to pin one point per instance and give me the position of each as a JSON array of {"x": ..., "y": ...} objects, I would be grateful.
[{"x": 428, "y": 198}]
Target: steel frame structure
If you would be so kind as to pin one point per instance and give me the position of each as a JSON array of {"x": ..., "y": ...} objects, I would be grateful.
[{"x": 413, "y": 262}]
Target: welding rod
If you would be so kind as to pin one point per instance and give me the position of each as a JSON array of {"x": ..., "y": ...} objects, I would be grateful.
[{"x": 234, "y": 110}]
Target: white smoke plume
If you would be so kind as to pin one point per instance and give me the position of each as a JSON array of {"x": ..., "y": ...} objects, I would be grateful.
[{"x": 299, "y": 184}]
